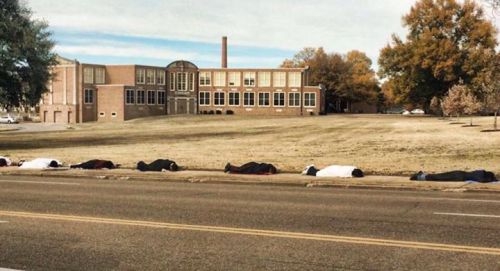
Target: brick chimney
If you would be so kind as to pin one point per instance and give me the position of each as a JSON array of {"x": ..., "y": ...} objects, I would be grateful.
[{"x": 224, "y": 52}]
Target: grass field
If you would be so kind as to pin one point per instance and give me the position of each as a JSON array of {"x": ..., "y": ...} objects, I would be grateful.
[{"x": 379, "y": 144}]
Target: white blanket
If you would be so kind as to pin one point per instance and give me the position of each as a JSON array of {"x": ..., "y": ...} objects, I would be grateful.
[
  {"x": 39, "y": 163},
  {"x": 336, "y": 171},
  {"x": 9, "y": 162}
]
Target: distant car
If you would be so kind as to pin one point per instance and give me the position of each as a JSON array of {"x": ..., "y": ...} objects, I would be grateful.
[
  {"x": 406, "y": 112},
  {"x": 8, "y": 119},
  {"x": 418, "y": 111}
]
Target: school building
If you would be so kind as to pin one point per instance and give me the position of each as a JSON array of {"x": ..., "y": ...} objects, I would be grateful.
[{"x": 80, "y": 92}]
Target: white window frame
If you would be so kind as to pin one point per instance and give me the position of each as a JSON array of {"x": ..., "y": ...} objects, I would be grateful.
[
  {"x": 160, "y": 77},
  {"x": 154, "y": 97},
  {"x": 251, "y": 76},
  {"x": 150, "y": 76},
  {"x": 234, "y": 79},
  {"x": 114, "y": 114},
  {"x": 219, "y": 79},
  {"x": 143, "y": 101},
  {"x": 218, "y": 100},
  {"x": 282, "y": 94},
  {"x": 88, "y": 75},
  {"x": 297, "y": 98},
  {"x": 279, "y": 79},
  {"x": 98, "y": 72},
  {"x": 229, "y": 98},
  {"x": 268, "y": 99},
  {"x": 85, "y": 101},
  {"x": 200, "y": 99},
  {"x": 205, "y": 79},
  {"x": 294, "y": 79},
  {"x": 264, "y": 79},
  {"x": 158, "y": 97},
  {"x": 244, "y": 94},
  {"x": 182, "y": 86},
  {"x": 191, "y": 81},
  {"x": 127, "y": 91},
  {"x": 172, "y": 81},
  {"x": 140, "y": 75},
  {"x": 102, "y": 114},
  {"x": 307, "y": 101}
]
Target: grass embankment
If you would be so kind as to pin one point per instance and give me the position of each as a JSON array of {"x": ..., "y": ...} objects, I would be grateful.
[{"x": 379, "y": 144}]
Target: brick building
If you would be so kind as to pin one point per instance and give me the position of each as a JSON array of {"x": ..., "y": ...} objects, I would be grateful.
[{"x": 80, "y": 92}]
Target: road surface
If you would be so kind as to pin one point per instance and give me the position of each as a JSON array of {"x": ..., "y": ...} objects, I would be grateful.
[{"x": 90, "y": 224}]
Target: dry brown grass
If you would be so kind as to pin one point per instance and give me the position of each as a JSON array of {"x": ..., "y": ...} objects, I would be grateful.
[{"x": 376, "y": 143}]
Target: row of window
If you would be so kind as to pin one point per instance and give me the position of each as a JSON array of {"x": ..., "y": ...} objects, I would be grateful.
[
  {"x": 182, "y": 81},
  {"x": 263, "y": 99},
  {"x": 150, "y": 76},
  {"x": 152, "y": 97},
  {"x": 279, "y": 79},
  {"x": 133, "y": 97},
  {"x": 89, "y": 72}
]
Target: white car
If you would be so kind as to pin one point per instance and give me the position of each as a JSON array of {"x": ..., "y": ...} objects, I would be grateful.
[
  {"x": 418, "y": 111},
  {"x": 8, "y": 119}
]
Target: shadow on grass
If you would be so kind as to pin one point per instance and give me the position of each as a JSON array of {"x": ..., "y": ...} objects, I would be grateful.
[
  {"x": 456, "y": 123},
  {"x": 91, "y": 141},
  {"x": 490, "y": 130},
  {"x": 468, "y": 125}
]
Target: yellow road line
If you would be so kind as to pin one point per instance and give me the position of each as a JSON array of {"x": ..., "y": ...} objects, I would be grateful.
[{"x": 267, "y": 233}]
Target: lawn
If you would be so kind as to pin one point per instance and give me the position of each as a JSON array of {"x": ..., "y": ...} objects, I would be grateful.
[{"x": 379, "y": 144}]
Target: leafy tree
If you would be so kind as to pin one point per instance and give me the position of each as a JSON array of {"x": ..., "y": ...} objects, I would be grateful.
[
  {"x": 492, "y": 89},
  {"x": 447, "y": 42},
  {"x": 435, "y": 106},
  {"x": 471, "y": 104},
  {"x": 460, "y": 100},
  {"x": 25, "y": 56}
]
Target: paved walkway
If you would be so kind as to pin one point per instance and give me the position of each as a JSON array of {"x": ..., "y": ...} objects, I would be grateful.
[{"x": 286, "y": 179}]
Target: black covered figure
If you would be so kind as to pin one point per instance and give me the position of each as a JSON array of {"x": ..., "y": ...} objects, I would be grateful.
[
  {"x": 3, "y": 162},
  {"x": 158, "y": 165},
  {"x": 481, "y": 176},
  {"x": 251, "y": 168},
  {"x": 95, "y": 164}
]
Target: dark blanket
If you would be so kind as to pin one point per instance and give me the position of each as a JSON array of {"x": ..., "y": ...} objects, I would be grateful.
[
  {"x": 95, "y": 164},
  {"x": 252, "y": 168},
  {"x": 158, "y": 165},
  {"x": 3, "y": 162},
  {"x": 481, "y": 176}
]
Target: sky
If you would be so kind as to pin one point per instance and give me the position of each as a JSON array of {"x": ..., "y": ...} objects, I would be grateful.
[{"x": 261, "y": 33}]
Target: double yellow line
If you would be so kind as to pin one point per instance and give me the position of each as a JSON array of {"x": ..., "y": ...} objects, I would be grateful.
[{"x": 266, "y": 233}]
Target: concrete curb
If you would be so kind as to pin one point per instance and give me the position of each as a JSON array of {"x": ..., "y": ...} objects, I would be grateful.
[{"x": 296, "y": 180}]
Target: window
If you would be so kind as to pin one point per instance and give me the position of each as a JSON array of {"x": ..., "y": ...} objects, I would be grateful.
[
  {"x": 102, "y": 114},
  {"x": 219, "y": 98},
  {"x": 89, "y": 96},
  {"x": 204, "y": 98},
  {"x": 249, "y": 79},
  {"x": 279, "y": 99},
  {"x": 264, "y": 98},
  {"x": 113, "y": 114},
  {"x": 181, "y": 81},
  {"x": 100, "y": 75},
  {"x": 294, "y": 79},
  {"x": 151, "y": 97},
  {"x": 140, "y": 75},
  {"x": 293, "y": 99},
  {"x": 129, "y": 96},
  {"x": 205, "y": 79},
  {"x": 140, "y": 97},
  {"x": 160, "y": 77},
  {"x": 219, "y": 79},
  {"x": 279, "y": 79},
  {"x": 309, "y": 99},
  {"x": 150, "y": 77},
  {"x": 248, "y": 99},
  {"x": 172, "y": 81},
  {"x": 161, "y": 97},
  {"x": 264, "y": 79},
  {"x": 191, "y": 81},
  {"x": 88, "y": 75},
  {"x": 234, "y": 79},
  {"x": 234, "y": 98}
]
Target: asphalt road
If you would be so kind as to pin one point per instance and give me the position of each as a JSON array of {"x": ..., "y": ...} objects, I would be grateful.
[{"x": 79, "y": 224}]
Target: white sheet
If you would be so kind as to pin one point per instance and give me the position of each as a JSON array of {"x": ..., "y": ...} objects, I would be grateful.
[
  {"x": 336, "y": 171},
  {"x": 39, "y": 163}
]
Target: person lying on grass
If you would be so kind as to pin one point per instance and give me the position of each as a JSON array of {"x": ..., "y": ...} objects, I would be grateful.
[
  {"x": 96, "y": 164},
  {"x": 158, "y": 165},
  {"x": 481, "y": 176},
  {"x": 40, "y": 163},
  {"x": 251, "y": 168},
  {"x": 334, "y": 171},
  {"x": 5, "y": 161}
]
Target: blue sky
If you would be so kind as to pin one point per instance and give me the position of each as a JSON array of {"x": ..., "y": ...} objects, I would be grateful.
[{"x": 261, "y": 33}]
